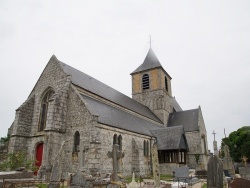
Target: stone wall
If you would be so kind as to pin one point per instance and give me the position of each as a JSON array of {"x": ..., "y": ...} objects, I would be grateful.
[
  {"x": 98, "y": 139},
  {"x": 168, "y": 168},
  {"x": 25, "y": 134},
  {"x": 21, "y": 128},
  {"x": 78, "y": 118},
  {"x": 204, "y": 143},
  {"x": 158, "y": 101},
  {"x": 157, "y": 98},
  {"x": 197, "y": 144},
  {"x": 132, "y": 146},
  {"x": 194, "y": 146}
]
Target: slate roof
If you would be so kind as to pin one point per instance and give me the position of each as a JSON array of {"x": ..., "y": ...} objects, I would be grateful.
[
  {"x": 176, "y": 105},
  {"x": 150, "y": 62},
  {"x": 94, "y": 86},
  {"x": 188, "y": 118},
  {"x": 170, "y": 138},
  {"x": 118, "y": 118}
]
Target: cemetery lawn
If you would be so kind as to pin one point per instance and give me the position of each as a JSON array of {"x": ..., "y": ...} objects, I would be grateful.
[
  {"x": 204, "y": 186},
  {"x": 166, "y": 177}
]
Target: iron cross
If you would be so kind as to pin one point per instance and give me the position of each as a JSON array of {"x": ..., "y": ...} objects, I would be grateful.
[{"x": 150, "y": 42}]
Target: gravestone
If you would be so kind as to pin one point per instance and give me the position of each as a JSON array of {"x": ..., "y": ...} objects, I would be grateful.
[
  {"x": 115, "y": 155},
  {"x": 214, "y": 173},
  {"x": 56, "y": 173},
  {"x": 133, "y": 183},
  {"x": 155, "y": 164},
  {"x": 181, "y": 173},
  {"x": 244, "y": 172},
  {"x": 55, "y": 176},
  {"x": 78, "y": 180},
  {"x": 239, "y": 183},
  {"x": 228, "y": 166}
]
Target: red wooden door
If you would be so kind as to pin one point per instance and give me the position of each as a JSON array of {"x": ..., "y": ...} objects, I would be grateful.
[{"x": 39, "y": 156}]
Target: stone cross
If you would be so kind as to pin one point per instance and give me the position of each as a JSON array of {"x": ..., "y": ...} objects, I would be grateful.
[
  {"x": 150, "y": 42},
  {"x": 216, "y": 152},
  {"x": 244, "y": 158},
  {"x": 82, "y": 154},
  {"x": 155, "y": 164},
  {"x": 116, "y": 155}
]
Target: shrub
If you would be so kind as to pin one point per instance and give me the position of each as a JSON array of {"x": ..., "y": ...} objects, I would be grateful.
[{"x": 17, "y": 160}]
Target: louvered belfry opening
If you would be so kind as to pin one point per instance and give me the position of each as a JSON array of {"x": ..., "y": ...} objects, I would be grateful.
[{"x": 145, "y": 81}]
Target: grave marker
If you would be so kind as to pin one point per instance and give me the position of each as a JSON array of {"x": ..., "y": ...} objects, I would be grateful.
[
  {"x": 214, "y": 173},
  {"x": 239, "y": 183},
  {"x": 155, "y": 164},
  {"x": 115, "y": 155}
]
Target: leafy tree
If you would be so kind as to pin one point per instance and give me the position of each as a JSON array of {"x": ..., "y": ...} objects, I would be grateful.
[
  {"x": 5, "y": 139},
  {"x": 238, "y": 143}
]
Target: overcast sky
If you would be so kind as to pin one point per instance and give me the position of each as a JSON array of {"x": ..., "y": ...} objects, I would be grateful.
[{"x": 203, "y": 45}]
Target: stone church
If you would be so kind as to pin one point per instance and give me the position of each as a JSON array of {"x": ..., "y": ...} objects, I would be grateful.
[{"x": 70, "y": 121}]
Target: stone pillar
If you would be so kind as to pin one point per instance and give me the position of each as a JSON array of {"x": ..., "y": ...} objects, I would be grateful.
[{"x": 216, "y": 152}]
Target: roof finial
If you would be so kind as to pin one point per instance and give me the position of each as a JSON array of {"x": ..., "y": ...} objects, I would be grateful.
[{"x": 150, "y": 42}]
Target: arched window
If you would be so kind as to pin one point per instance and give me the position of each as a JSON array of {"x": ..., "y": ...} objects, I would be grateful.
[
  {"x": 166, "y": 83},
  {"x": 115, "y": 139},
  {"x": 145, "y": 81},
  {"x": 76, "y": 142},
  {"x": 120, "y": 142},
  {"x": 44, "y": 110}
]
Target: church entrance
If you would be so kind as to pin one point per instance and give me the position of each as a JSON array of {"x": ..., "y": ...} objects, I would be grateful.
[{"x": 39, "y": 156}]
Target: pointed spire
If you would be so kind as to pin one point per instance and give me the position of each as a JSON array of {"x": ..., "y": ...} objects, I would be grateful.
[
  {"x": 150, "y": 62},
  {"x": 53, "y": 57}
]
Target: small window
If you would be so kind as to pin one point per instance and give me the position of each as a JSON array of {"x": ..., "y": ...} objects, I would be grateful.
[
  {"x": 166, "y": 83},
  {"x": 76, "y": 142},
  {"x": 146, "y": 148},
  {"x": 44, "y": 110},
  {"x": 145, "y": 81}
]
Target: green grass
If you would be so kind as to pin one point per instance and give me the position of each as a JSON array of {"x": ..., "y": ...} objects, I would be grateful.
[
  {"x": 164, "y": 177},
  {"x": 204, "y": 186}
]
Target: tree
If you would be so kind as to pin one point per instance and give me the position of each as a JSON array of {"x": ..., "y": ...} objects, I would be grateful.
[
  {"x": 5, "y": 139},
  {"x": 238, "y": 143}
]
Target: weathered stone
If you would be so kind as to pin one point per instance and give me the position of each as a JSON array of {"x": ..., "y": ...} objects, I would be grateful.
[
  {"x": 181, "y": 173},
  {"x": 68, "y": 112},
  {"x": 244, "y": 172},
  {"x": 239, "y": 183},
  {"x": 156, "y": 168},
  {"x": 215, "y": 173}
]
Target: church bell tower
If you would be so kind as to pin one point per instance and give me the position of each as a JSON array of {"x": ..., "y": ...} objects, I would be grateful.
[{"x": 151, "y": 86}]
